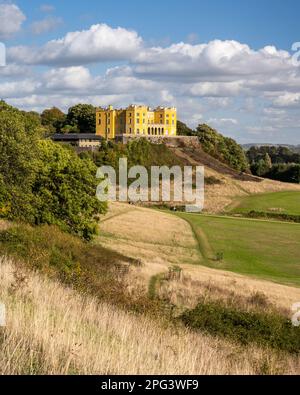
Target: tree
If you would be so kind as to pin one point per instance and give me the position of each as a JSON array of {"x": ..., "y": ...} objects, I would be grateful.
[
  {"x": 268, "y": 161},
  {"x": 19, "y": 135},
  {"x": 43, "y": 182},
  {"x": 222, "y": 148},
  {"x": 82, "y": 117},
  {"x": 183, "y": 129},
  {"x": 53, "y": 119},
  {"x": 64, "y": 189}
]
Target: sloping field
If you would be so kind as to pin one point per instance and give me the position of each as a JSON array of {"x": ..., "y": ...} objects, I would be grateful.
[
  {"x": 277, "y": 202},
  {"x": 177, "y": 245},
  {"x": 233, "y": 185},
  {"x": 54, "y": 330},
  {"x": 263, "y": 249}
]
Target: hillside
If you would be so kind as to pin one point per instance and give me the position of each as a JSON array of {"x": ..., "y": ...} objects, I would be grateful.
[
  {"x": 54, "y": 330},
  {"x": 231, "y": 184}
]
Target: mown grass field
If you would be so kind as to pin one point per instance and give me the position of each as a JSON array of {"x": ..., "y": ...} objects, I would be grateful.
[
  {"x": 264, "y": 249},
  {"x": 276, "y": 202}
]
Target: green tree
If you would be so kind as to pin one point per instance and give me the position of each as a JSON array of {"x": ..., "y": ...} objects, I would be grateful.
[
  {"x": 268, "y": 161},
  {"x": 222, "y": 148},
  {"x": 183, "y": 129},
  {"x": 82, "y": 117},
  {"x": 43, "y": 182},
  {"x": 64, "y": 189},
  {"x": 53, "y": 119}
]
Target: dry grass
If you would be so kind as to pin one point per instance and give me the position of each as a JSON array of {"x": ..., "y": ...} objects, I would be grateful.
[
  {"x": 198, "y": 283},
  {"x": 54, "y": 330},
  {"x": 158, "y": 239},
  {"x": 149, "y": 235},
  {"x": 218, "y": 197}
]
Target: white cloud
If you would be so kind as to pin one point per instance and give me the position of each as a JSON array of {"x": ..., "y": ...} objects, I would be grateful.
[
  {"x": 288, "y": 100},
  {"x": 216, "y": 89},
  {"x": 45, "y": 25},
  {"x": 11, "y": 19},
  {"x": 213, "y": 81},
  {"x": 217, "y": 60},
  {"x": 222, "y": 121},
  {"x": 70, "y": 78},
  {"x": 99, "y": 43}
]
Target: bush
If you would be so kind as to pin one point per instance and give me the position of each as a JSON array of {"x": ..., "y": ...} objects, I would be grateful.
[
  {"x": 277, "y": 216},
  {"x": 88, "y": 267},
  {"x": 264, "y": 329}
]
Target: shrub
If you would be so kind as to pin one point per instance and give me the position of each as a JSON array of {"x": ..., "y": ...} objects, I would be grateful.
[
  {"x": 88, "y": 267},
  {"x": 265, "y": 329}
]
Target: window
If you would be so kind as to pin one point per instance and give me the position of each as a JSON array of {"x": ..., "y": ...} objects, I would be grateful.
[
  {"x": 173, "y": 115},
  {"x": 99, "y": 121},
  {"x": 108, "y": 121},
  {"x": 138, "y": 120},
  {"x": 144, "y": 121},
  {"x": 167, "y": 122},
  {"x": 173, "y": 122},
  {"x": 167, "y": 115}
]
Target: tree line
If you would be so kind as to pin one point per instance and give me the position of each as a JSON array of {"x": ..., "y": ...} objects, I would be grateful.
[{"x": 277, "y": 163}]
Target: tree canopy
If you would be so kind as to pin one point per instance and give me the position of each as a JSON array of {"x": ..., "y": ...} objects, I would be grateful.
[
  {"x": 223, "y": 148},
  {"x": 81, "y": 118},
  {"x": 43, "y": 182}
]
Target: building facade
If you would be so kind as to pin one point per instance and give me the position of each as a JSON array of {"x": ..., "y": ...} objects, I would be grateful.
[{"x": 136, "y": 120}]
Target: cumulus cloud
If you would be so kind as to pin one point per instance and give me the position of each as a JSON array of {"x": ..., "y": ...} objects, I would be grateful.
[
  {"x": 45, "y": 25},
  {"x": 216, "y": 89},
  {"x": 222, "y": 121},
  {"x": 11, "y": 19},
  {"x": 287, "y": 100},
  {"x": 100, "y": 43},
  {"x": 225, "y": 82},
  {"x": 218, "y": 60}
]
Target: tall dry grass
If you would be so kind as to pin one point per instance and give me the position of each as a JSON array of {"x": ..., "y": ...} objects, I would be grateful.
[
  {"x": 159, "y": 239},
  {"x": 54, "y": 330}
]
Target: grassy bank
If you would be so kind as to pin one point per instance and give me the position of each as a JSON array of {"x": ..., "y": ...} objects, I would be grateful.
[
  {"x": 276, "y": 202},
  {"x": 267, "y": 250}
]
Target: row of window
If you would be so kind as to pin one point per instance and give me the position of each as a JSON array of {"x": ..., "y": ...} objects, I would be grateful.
[{"x": 137, "y": 121}]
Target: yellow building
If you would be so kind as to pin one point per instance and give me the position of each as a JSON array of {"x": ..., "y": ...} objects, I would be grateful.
[{"x": 136, "y": 120}]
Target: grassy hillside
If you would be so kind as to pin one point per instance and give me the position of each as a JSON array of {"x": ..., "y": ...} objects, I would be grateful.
[
  {"x": 263, "y": 249},
  {"x": 172, "y": 242},
  {"x": 54, "y": 330},
  {"x": 277, "y": 202}
]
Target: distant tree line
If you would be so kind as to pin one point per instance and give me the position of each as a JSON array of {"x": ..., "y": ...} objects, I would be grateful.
[{"x": 277, "y": 163}]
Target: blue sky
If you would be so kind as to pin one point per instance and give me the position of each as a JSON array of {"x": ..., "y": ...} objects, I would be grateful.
[{"x": 224, "y": 62}]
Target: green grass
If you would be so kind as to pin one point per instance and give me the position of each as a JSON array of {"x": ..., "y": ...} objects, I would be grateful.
[
  {"x": 262, "y": 249},
  {"x": 276, "y": 202}
]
